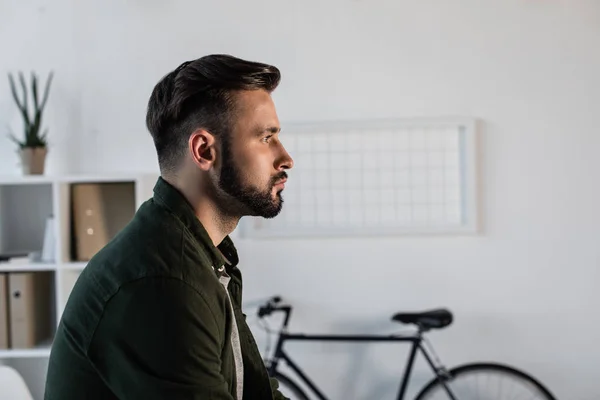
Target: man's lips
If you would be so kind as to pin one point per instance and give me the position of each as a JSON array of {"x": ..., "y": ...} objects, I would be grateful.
[{"x": 280, "y": 184}]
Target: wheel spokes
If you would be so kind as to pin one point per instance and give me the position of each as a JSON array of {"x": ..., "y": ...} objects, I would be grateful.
[{"x": 488, "y": 385}]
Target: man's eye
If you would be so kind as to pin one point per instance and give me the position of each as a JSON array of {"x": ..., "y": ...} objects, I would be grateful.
[{"x": 267, "y": 138}]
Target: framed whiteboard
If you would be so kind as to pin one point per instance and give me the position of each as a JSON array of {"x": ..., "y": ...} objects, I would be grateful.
[{"x": 391, "y": 177}]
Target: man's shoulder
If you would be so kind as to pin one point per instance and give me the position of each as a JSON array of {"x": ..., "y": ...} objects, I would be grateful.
[
  {"x": 155, "y": 243},
  {"x": 154, "y": 247}
]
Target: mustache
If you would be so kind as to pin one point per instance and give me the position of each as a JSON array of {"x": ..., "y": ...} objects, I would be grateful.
[{"x": 280, "y": 176}]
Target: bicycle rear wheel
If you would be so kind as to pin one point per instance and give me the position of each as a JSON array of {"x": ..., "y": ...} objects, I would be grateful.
[
  {"x": 485, "y": 381},
  {"x": 288, "y": 388}
]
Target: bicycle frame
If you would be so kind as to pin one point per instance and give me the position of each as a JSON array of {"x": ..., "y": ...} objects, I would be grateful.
[
  {"x": 416, "y": 340},
  {"x": 436, "y": 319}
]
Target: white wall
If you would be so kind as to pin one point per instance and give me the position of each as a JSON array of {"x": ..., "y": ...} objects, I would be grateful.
[{"x": 523, "y": 292}]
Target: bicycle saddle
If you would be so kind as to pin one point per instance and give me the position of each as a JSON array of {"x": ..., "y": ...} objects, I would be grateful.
[{"x": 431, "y": 319}]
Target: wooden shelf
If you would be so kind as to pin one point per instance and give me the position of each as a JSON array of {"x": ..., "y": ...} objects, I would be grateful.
[
  {"x": 40, "y": 352},
  {"x": 50, "y": 179},
  {"x": 25, "y": 180},
  {"x": 32, "y": 267},
  {"x": 74, "y": 266}
]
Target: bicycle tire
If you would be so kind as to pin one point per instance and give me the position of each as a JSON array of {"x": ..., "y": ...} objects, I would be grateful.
[
  {"x": 470, "y": 368},
  {"x": 289, "y": 388}
]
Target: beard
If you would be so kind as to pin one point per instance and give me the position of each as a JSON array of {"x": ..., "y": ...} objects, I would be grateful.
[{"x": 252, "y": 200}]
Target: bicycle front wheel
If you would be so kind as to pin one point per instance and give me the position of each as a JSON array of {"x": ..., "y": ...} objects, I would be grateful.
[
  {"x": 289, "y": 389},
  {"x": 485, "y": 381}
]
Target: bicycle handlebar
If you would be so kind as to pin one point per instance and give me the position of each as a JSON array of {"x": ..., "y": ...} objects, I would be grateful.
[{"x": 272, "y": 306}]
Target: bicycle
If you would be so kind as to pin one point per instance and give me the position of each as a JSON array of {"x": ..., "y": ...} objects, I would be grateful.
[{"x": 445, "y": 380}]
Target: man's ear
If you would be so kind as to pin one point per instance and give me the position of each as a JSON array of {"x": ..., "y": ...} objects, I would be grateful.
[{"x": 202, "y": 148}]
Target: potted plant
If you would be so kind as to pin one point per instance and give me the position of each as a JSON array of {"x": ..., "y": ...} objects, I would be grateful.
[{"x": 33, "y": 146}]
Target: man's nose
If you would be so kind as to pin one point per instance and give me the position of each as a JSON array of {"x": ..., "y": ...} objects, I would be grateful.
[{"x": 285, "y": 161}]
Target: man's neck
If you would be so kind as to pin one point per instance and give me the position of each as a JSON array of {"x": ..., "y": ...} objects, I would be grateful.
[{"x": 216, "y": 223}]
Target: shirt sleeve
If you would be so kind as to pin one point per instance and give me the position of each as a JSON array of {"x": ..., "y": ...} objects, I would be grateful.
[{"x": 158, "y": 339}]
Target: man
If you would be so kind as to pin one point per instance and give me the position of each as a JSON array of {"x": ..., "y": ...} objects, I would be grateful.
[{"x": 156, "y": 314}]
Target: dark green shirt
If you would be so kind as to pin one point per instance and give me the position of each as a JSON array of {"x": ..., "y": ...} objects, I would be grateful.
[{"x": 148, "y": 318}]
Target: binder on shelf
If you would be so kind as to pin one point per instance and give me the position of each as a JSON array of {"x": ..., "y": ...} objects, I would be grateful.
[
  {"x": 28, "y": 309},
  {"x": 4, "y": 341},
  {"x": 99, "y": 212}
]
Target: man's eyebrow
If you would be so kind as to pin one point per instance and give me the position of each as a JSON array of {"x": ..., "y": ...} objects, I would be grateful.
[{"x": 268, "y": 129}]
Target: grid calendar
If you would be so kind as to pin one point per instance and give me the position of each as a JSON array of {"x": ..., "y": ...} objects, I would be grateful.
[{"x": 393, "y": 177}]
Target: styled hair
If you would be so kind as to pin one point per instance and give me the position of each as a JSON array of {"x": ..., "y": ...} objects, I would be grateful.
[{"x": 201, "y": 94}]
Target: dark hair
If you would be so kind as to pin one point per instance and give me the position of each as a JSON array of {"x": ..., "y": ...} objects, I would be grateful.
[{"x": 200, "y": 94}]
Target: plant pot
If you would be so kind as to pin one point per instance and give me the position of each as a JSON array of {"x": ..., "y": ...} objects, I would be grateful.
[{"x": 33, "y": 160}]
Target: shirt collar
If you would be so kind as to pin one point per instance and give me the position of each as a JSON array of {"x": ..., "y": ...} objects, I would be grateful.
[{"x": 225, "y": 254}]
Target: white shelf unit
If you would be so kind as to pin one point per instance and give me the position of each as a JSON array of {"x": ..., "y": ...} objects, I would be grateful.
[
  {"x": 41, "y": 352},
  {"x": 25, "y": 204}
]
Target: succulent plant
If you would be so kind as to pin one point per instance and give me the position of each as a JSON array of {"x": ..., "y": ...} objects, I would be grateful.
[{"x": 32, "y": 121}]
